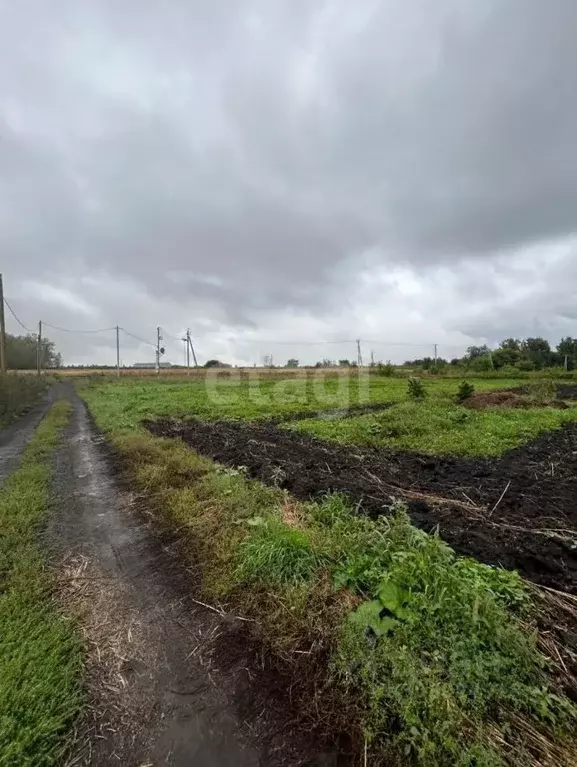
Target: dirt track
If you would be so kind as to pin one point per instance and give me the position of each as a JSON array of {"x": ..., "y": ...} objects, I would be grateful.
[
  {"x": 162, "y": 687},
  {"x": 14, "y": 438},
  {"x": 503, "y": 511}
]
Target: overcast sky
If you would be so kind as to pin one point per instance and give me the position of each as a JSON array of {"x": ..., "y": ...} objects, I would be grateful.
[{"x": 291, "y": 170}]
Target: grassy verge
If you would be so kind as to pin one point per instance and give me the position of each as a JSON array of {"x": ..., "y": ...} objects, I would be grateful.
[
  {"x": 40, "y": 658},
  {"x": 17, "y": 394},
  {"x": 433, "y": 657}
]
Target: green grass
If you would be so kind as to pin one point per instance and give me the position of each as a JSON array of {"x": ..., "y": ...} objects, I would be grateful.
[
  {"x": 439, "y": 426},
  {"x": 40, "y": 656},
  {"x": 17, "y": 393},
  {"x": 430, "y": 657},
  {"x": 277, "y": 554},
  {"x": 128, "y": 402},
  {"x": 123, "y": 404},
  {"x": 437, "y": 652}
]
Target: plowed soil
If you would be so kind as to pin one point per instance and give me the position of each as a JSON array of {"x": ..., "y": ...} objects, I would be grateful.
[
  {"x": 340, "y": 412},
  {"x": 509, "y": 399},
  {"x": 567, "y": 391},
  {"x": 519, "y": 511}
]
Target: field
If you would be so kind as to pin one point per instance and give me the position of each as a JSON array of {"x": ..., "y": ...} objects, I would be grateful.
[
  {"x": 372, "y": 567},
  {"x": 236, "y": 394},
  {"x": 325, "y": 522}
]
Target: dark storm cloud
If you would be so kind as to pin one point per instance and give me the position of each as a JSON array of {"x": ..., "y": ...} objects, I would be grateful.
[{"x": 255, "y": 147}]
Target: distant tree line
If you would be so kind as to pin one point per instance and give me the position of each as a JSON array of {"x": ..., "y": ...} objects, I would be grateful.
[
  {"x": 524, "y": 354},
  {"x": 21, "y": 353}
]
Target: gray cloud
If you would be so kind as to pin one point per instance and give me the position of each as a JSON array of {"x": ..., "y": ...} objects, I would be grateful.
[{"x": 260, "y": 151}]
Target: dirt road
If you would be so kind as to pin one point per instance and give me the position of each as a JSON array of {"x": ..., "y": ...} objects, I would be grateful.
[
  {"x": 16, "y": 437},
  {"x": 157, "y": 695}
]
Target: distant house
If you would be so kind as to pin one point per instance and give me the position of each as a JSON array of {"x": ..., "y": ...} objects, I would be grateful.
[{"x": 151, "y": 365}]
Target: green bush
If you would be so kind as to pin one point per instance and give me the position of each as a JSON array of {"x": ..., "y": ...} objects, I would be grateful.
[
  {"x": 482, "y": 364},
  {"x": 386, "y": 369},
  {"x": 465, "y": 391},
  {"x": 416, "y": 389}
]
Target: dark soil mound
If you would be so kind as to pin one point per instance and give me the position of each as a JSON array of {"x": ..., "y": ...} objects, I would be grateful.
[
  {"x": 564, "y": 391},
  {"x": 509, "y": 398},
  {"x": 567, "y": 391},
  {"x": 496, "y": 399},
  {"x": 517, "y": 512},
  {"x": 332, "y": 413}
]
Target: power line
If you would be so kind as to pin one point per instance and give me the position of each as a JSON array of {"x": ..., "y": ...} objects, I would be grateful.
[
  {"x": 69, "y": 330},
  {"x": 168, "y": 335},
  {"x": 342, "y": 341},
  {"x": 419, "y": 346},
  {"x": 138, "y": 338},
  {"x": 13, "y": 313},
  {"x": 292, "y": 343},
  {"x": 238, "y": 340}
]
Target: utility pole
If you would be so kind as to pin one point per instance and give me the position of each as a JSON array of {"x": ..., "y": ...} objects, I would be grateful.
[
  {"x": 3, "y": 361},
  {"x": 372, "y": 359},
  {"x": 158, "y": 340},
  {"x": 187, "y": 339},
  {"x": 435, "y": 345},
  {"x": 117, "y": 352},
  {"x": 39, "y": 349},
  {"x": 359, "y": 354},
  {"x": 566, "y": 363},
  {"x": 191, "y": 348}
]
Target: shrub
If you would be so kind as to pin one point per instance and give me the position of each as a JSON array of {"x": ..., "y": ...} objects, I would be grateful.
[
  {"x": 465, "y": 391},
  {"x": 482, "y": 364},
  {"x": 387, "y": 369},
  {"x": 416, "y": 389}
]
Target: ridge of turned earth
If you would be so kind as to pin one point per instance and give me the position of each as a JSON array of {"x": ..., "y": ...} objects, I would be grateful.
[{"x": 517, "y": 511}]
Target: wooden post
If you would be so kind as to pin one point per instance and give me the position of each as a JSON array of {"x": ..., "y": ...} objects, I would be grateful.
[
  {"x": 117, "y": 352},
  {"x": 189, "y": 339},
  {"x": 39, "y": 349}
]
